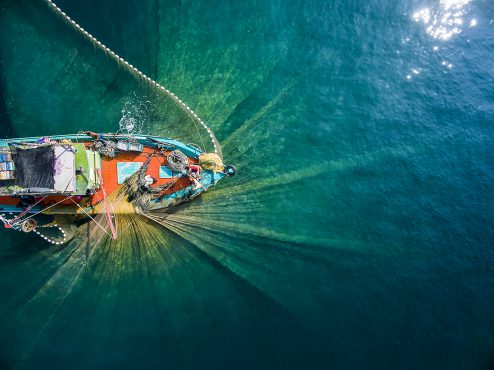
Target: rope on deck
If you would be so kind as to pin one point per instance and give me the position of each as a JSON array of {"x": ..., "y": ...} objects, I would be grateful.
[
  {"x": 133, "y": 69},
  {"x": 107, "y": 210}
]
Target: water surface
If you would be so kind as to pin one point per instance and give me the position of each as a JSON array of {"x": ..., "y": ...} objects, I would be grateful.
[{"x": 358, "y": 233}]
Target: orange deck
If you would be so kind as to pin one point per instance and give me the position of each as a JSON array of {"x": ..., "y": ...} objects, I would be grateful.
[{"x": 110, "y": 177}]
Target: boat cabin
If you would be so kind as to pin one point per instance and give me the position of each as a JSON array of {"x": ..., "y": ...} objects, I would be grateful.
[{"x": 48, "y": 169}]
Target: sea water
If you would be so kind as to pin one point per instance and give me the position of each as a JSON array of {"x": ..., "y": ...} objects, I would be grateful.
[{"x": 358, "y": 233}]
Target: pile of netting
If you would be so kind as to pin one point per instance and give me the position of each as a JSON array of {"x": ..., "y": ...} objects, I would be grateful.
[{"x": 177, "y": 161}]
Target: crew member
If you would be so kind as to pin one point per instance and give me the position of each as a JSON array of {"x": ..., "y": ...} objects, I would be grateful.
[{"x": 193, "y": 172}]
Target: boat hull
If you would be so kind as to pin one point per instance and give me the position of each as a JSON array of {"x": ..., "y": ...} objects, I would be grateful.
[{"x": 105, "y": 176}]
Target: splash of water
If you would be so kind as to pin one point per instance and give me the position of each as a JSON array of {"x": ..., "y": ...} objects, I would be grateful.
[{"x": 135, "y": 115}]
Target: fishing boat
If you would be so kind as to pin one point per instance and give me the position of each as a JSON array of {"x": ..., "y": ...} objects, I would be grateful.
[{"x": 82, "y": 175}]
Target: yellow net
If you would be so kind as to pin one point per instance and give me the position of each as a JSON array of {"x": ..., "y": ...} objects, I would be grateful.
[{"x": 211, "y": 161}]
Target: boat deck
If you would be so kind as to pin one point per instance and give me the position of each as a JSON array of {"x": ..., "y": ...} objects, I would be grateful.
[{"x": 109, "y": 171}]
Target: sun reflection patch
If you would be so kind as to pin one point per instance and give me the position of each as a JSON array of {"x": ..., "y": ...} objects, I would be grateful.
[{"x": 444, "y": 20}]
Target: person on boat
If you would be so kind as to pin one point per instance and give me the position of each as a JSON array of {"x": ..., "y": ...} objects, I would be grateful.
[
  {"x": 194, "y": 169},
  {"x": 139, "y": 187},
  {"x": 94, "y": 135},
  {"x": 193, "y": 172},
  {"x": 140, "y": 183},
  {"x": 146, "y": 182},
  {"x": 45, "y": 140}
]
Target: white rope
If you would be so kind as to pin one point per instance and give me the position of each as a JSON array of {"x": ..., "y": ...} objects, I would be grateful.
[
  {"x": 133, "y": 69},
  {"x": 43, "y": 210},
  {"x": 53, "y": 205},
  {"x": 92, "y": 218},
  {"x": 49, "y": 240},
  {"x": 112, "y": 208},
  {"x": 26, "y": 211}
]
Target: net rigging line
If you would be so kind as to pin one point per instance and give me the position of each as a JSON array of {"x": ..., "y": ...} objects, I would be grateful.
[
  {"x": 107, "y": 209},
  {"x": 193, "y": 115}
]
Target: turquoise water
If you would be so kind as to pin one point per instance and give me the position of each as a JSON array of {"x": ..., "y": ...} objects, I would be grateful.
[{"x": 358, "y": 233}]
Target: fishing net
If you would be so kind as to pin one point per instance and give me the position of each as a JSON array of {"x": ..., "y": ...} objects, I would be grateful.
[
  {"x": 106, "y": 148},
  {"x": 211, "y": 161},
  {"x": 153, "y": 110},
  {"x": 177, "y": 161}
]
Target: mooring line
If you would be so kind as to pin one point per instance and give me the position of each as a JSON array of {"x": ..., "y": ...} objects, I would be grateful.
[{"x": 133, "y": 69}]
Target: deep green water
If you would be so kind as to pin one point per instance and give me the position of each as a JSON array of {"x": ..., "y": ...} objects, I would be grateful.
[{"x": 358, "y": 233}]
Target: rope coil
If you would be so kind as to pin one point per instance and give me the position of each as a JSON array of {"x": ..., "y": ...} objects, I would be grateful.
[
  {"x": 106, "y": 148},
  {"x": 177, "y": 161}
]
